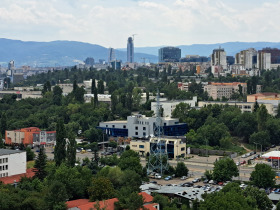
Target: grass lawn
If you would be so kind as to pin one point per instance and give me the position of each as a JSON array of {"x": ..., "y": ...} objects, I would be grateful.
[{"x": 30, "y": 164}]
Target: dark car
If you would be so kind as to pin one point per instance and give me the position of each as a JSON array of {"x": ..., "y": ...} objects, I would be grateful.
[{"x": 205, "y": 181}]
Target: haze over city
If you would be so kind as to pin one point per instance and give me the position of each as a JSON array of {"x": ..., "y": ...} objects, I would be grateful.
[{"x": 160, "y": 22}]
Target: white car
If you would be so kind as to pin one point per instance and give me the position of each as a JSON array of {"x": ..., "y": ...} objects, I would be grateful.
[
  {"x": 183, "y": 178},
  {"x": 237, "y": 163},
  {"x": 211, "y": 182}
]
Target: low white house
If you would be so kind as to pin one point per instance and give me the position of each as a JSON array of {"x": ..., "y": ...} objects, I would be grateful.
[{"x": 12, "y": 162}]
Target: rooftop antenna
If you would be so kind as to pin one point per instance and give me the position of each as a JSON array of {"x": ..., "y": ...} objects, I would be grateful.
[{"x": 158, "y": 159}]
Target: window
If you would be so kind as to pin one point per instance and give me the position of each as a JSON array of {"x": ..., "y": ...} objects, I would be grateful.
[
  {"x": 6, "y": 167},
  {"x": 6, "y": 160},
  {"x": 124, "y": 126},
  {"x": 136, "y": 133},
  {"x": 144, "y": 128},
  {"x": 113, "y": 126},
  {"x": 164, "y": 124},
  {"x": 106, "y": 126},
  {"x": 136, "y": 127},
  {"x": 183, "y": 149},
  {"x": 0, "y": 160},
  {"x": 141, "y": 146},
  {"x": 144, "y": 133}
]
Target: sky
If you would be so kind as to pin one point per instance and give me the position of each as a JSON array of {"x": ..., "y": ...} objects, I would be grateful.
[{"x": 156, "y": 22}]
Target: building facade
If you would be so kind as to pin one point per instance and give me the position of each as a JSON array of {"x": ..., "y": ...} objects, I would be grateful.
[
  {"x": 243, "y": 106},
  {"x": 12, "y": 162},
  {"x": 262, "y": 96},
  {"x": 219, "y": 58},
  {"x": 174, "y": 146},
  {"x": 264, "y": 61},
  {"x": 130, "y": 50},
  {"x": 247, "y": 58},
  {"x": 140, "y": 126},
  {"x": 169, "y": 106},
  {"x": 220, "y": 90},
  {"x": 169, "y": 54},
  {"x": 30, "y": 136}
]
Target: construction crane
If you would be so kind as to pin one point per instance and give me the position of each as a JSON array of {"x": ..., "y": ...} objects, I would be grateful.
[{"x": 133, "y": 36}]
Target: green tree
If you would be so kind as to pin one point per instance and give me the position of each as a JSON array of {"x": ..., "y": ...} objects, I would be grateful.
[
  {"x": 93, "y": 87},
  {"x": 101, "y": 189},
  {"x": 71, "y": 150},
  {"x": 162, "y": 200},
  {"x": 40, "y": 165},
  {"x": 262, "y": 200},
  {"x": 224, "y": 170},
  {"x": 100, "y": 87},
  {"x": 256, "y": 106},
  {"x": 130, "y": 160},
  {"x": 57, "y": 96},
  {"x": 129, "y": 200},
  {"x": 29, "y": 154},
  {"x": 3, "y": 123},
  {"x": 181, "y": 170},
  {"x": 263, "y": 176},
  {"x": 261, "y": 137},
  {"x": 262, "y": 116},
  {"x": 59, "y": 150},
  {"x": 1, "y": 142},
  {"x": 56, "y": 196}
]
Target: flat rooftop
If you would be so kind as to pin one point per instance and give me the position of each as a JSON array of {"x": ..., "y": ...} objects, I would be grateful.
[{"x": 9, "y": 151}]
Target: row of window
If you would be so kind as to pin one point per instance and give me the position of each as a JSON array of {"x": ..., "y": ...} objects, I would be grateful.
[
  {"x": 3, "y": 160},
  {"x": 3, "y": 168},
  {"x": 113, "y": 126},
  {"x": 136, "y": 128},
  {"x": 3, "y": 174},
  {"x": 136, "y": 133}
]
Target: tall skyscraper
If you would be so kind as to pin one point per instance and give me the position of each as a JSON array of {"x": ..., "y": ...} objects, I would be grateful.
[
  {"x": 111, "y": 56},
  {"x": 169, "y": 54},
  {"x": 130, "y": 50}
]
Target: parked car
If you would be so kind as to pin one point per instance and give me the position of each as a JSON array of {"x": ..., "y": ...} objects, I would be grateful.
[
  {"x": 188, "y": 184},
  {"x": 211, "y": 182},
  {"x": 153, "y": 182},
  {"x": 243, "y": 162},
  {"x": 221, "y": 183},
  {"x": 167, "y": 178},
  {"x": 183, "y": 178},
  {"x": 243, "y": 186},
  {"x": 205, "y": 181},
  {"x": 238, "y": 163},
  {"x": 243, "y": 156},
  {"x": 251, "y": 153},
  {"x": 196, "y": 180},
  {"x": 273, "y": 146}
]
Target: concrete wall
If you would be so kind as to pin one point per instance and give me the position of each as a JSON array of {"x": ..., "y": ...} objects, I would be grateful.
[
  {"x": 198, "y": 151},
  {"x": 16, "y": 164}
]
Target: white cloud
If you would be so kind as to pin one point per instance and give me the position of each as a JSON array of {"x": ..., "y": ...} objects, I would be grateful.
[{"x": 157, "y": 22}]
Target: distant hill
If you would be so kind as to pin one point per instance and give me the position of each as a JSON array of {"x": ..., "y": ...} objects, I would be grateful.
[
  {"x": 231, "y": 48},
  {"x": 57, "y": 53}
]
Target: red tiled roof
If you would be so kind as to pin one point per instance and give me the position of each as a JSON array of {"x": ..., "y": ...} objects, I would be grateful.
[
  {"x": 151, "y": 206},
  {"x": 85, "y": 204},
  {"x": 147, "y": 198},
  {"x": 11, "y": 179},
  {"x": 75, "y": 203}
]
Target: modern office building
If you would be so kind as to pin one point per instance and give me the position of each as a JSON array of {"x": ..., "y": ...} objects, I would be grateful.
[
  {"x": 169, "y": 54},
  {"x": 140, "y": 126},
  {"x": 219, "y": 58},
  {"x": 116, "y": 64},
  {"x": 89, "y": 61},
  {"x": 130, "y": 50},
  {"x": 174, "y": 146},
  {"x": 30, "y": 136},
  {"x": 111, "y": 55}
]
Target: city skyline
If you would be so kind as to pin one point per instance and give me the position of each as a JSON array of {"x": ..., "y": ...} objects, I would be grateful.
[{"x": 157, "y": 23}]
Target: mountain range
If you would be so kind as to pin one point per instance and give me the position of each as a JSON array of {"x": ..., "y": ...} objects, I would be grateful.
[{"x": 69, "y": 53}]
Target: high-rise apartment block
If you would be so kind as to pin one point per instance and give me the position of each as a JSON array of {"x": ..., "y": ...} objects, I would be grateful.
[
  {"x": 263, "y": 60},
  {"x": 169, "y": 54},
  {"x": 219, "y": 58},
  {"x": 130, "y": 50},
  {"x": 247, "y": 58}
]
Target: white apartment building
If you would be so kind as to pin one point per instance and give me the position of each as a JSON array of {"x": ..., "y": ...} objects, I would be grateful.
[
  {"x": 246, "y": 58},
  {"x": 169, "y": 106},
  {"x": 12, "y": 162},
  {"x": 264, "y": 61}
]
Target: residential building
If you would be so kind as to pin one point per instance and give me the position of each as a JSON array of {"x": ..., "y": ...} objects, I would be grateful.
[
  {"x": 130, "y": 50},
  {"x": 264, "y": 60},
  {"x": 243, "y": 106},
  {"x": 140, "y": 126},
  {"x": 219, "y": 58},
  {"x": 23, "y": 94},
  {"x": 247, "y": 58},
  {"x": 275, "y": 54},
  {"x": 105, "y": 98},
  {"x": 219, "y": 90},
  {"x": 174, "y": 146},
  {"x": 262, "y": 96},
  {"x": 169, "y": 106},
  {"x": 12, "y": 162},
  {"x": 30, "y": 136},
  {"x": 169, "y": 54}
]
